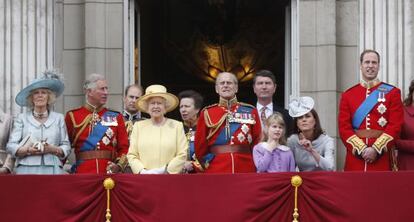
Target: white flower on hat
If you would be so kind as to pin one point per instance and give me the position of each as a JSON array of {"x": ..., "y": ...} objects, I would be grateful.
[{"x": 300, "y": 106}]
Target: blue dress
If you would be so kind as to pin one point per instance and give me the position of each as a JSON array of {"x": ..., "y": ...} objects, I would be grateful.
[{"x": 53, "y": 131}]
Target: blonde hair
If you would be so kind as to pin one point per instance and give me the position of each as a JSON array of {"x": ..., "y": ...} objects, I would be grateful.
[
  {"x": 278, "y": 119},
  {"x": 51, "y": 99}
]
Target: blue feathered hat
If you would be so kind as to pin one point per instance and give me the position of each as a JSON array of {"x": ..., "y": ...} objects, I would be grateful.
[{"x": 49, "y": 80}]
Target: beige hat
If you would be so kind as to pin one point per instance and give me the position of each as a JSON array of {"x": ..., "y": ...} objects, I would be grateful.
[
  {"x": 156, "y": 91},
  {"x": 300, "y": 106}
]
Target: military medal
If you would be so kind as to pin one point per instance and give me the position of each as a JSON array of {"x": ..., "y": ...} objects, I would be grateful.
[
  {"x": 109, "y": 121},
  {"x": 105, "y": 140},
  {"x": 244, "y": 118},
  {"x": 245, "y": 129},
  {"x": 249, "y": 138},
  {"x": 109, "y": 132},
  {"x": 382, "y": 108},
  {"x": 241, "y": 137},
  {"x": 381, "y": 94},
  {"x": 382, "y": 121}
]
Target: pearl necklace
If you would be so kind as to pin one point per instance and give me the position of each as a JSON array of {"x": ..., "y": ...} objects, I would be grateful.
[{"x": 40, "y": 115}]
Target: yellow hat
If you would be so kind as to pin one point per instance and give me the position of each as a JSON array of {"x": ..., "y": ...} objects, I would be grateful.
[{"x": 157, "y": 91}]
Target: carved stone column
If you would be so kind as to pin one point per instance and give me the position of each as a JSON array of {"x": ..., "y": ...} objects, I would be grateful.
[
  {"x": 26, "y": 46},
  {"x": 387, "y": 26}
]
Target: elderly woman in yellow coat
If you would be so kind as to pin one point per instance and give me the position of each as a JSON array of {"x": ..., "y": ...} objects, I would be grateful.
[{"x": 157, "y": 145}]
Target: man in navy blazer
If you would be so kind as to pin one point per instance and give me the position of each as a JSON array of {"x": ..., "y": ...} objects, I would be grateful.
[{"x": 264, "y": 86}]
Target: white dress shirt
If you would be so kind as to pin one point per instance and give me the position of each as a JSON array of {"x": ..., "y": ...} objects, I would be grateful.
[{"x": 268, "y": 112}]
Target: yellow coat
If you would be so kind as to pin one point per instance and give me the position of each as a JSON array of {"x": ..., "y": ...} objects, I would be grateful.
[{"x": 157, "y": 146}]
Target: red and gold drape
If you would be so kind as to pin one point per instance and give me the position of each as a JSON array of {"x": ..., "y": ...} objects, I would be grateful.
[{"x": 376, "y": 196}]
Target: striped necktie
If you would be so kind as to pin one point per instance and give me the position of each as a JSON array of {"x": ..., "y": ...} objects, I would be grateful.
[{"x": 263, "y": 114}]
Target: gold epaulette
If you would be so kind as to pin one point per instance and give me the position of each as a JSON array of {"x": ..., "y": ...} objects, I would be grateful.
[
  {"x": 122, "y": 162},
  {"x": 381, "y": 142},
  {"x": 357, "y": 144},
  {"x": 209, "y": 106},
  {"x": 246, "y": 104}
]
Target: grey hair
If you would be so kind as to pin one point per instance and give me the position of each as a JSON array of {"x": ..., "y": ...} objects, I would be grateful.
[
  {"x": 90, "y": 82},
  {"x": 233, "y": 76}
]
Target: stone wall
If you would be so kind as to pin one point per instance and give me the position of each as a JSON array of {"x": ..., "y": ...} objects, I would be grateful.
[{"x": 90, "y": 39}]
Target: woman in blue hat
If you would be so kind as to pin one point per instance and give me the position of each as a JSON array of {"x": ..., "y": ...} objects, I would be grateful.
[{"x": 39, "y": 139}]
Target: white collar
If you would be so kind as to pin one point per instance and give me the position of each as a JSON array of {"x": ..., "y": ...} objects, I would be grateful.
[{"x": 280, "y": 147}]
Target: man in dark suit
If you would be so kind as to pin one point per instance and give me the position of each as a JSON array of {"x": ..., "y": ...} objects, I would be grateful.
[{"x": 264, "y": 86}]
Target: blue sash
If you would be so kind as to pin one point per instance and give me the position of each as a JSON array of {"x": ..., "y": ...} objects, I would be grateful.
[
  {"x": 222, "y": 139},
  {"x": 90, "y": 143},
  {"x": 98, "y": 132},
  {"x": 369, "y": 104}
]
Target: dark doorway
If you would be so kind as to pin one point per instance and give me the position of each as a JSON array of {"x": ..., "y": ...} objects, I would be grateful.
[{"x": 247, "y": 35}]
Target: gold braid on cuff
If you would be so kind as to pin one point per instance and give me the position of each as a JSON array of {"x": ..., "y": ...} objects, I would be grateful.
[
  {"x": 381, "y": 143},
  {"x": 122, "y": 162},
  {"x": 357, "y": 144}
]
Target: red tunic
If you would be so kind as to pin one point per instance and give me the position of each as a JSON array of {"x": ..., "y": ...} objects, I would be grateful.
[
  {"x": 78, "y": 122},
  {"x": 247, "y": 134},
  {"x": 389, "y": 122}
]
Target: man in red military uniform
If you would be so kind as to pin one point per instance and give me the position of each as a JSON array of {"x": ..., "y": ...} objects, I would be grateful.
[
  {"x": 370, "y": 119},
  {"x": 227, "y": 131},
  {"x": 98, "y": 135}
]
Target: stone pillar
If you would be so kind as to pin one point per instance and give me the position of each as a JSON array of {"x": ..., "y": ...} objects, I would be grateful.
[
  {"x": 387, "y": 26},
  {"x": 318, "y": 60},
  {"x": 347, "y": 68},
  {"x": 92, "y": 41},
  {"x": 26, "y": 46}
]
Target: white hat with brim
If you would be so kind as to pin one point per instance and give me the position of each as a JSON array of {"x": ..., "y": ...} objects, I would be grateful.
[
  {"x": 47, "y": 81},
  {"x": 157, "y": 91},
  {"x": 300, "y": 106}
]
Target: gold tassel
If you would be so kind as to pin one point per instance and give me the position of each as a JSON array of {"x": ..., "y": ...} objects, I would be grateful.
[
  {"x": 109, "y": 184},
  {"x": 296, "y": 181}
]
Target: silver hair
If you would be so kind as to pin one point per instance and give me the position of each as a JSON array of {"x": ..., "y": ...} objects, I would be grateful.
[
  {"x": 235, "y": 80},
  {"x": 90, "y": 82}
]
